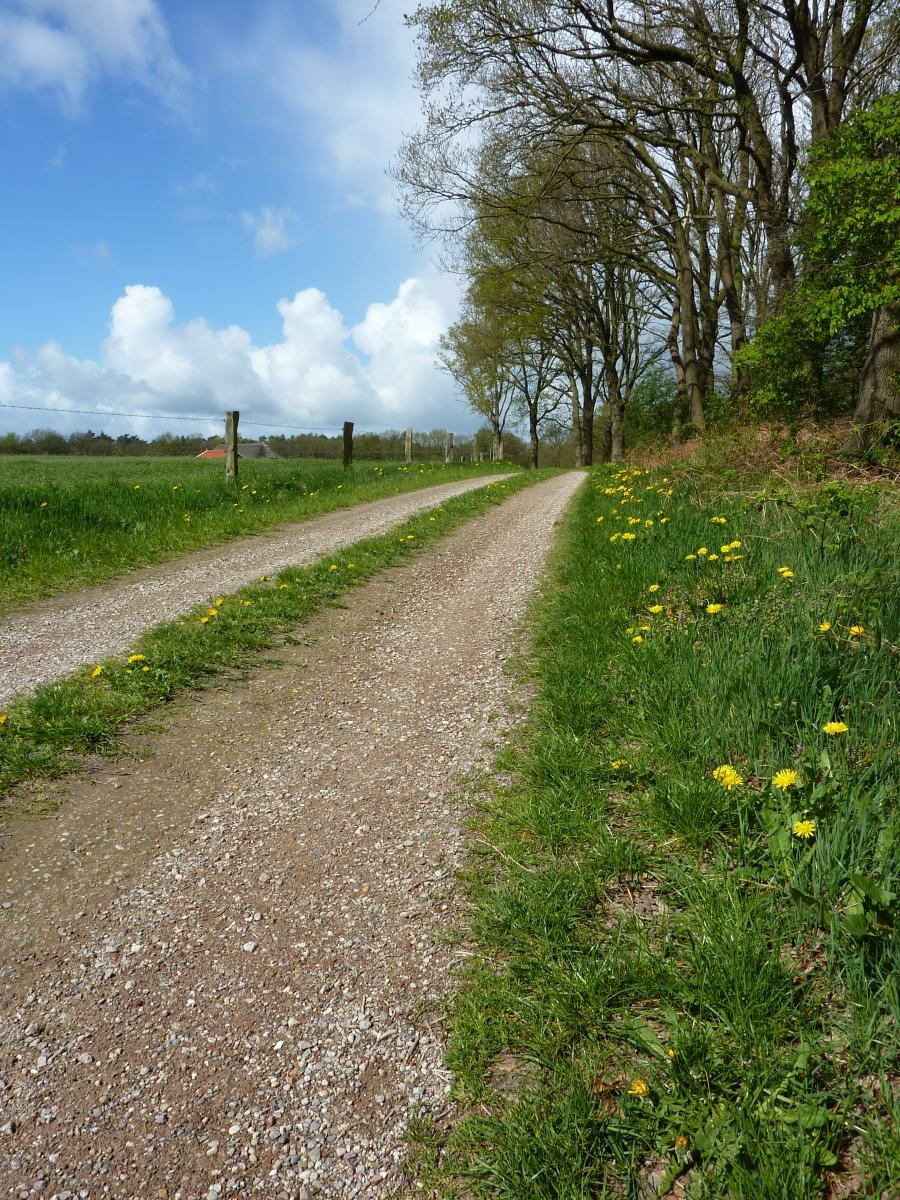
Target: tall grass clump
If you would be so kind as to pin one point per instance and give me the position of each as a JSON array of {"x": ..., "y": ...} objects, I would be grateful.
[
  {"x": 70, "y": 521},
  {"x": 685, "y": 904}
]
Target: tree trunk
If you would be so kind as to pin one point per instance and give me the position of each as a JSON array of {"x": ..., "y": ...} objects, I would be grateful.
[
  {"x": 616, "y": 410},
  {"x": 878, "y": 400},
  {"x": 587, "y": 417},
  {"x": 576, "y": 419},
  {"x": 689, "y": 332}
]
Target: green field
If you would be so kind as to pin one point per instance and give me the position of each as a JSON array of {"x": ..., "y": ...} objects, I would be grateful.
[
  {"x": 69, "y": 521},
  {"x": 685, "y": 906}
]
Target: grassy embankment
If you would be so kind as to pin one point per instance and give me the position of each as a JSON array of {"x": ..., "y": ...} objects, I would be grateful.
[
  {"x": 685, "y": 905},
  {"x": 66, "y": 522},
  {"x": 45, "y": 734}
]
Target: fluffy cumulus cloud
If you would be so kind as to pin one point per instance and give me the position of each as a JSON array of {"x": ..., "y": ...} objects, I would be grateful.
[
  {"x": 381, "y": 373},
  {"x": 63, "y": 46}
]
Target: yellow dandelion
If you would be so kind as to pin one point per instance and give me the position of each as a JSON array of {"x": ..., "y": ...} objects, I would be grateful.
[
  {"x": 655, "y": 608},
  {"x": 137, "y": 658},
  {"x": 784, "y": 779},
  {"x": 713, "y": 558},
  {"x": 219, "y": 601},
  {"x": 671, "y": 1052},
  {"x": 204, "y": 620},
  {"x": 824, "y": 626},
  {"x": 835, "y": 727},
  {"x": 663, "y": 520},
  {"x": 618, "y": 763},
  {"x": 43, "y": 504},
  {"x": 246, "y": 603},
  {"x": 637, "y": 640},
  {"x": 703, "y": 550},
  {"x": 857, "y": 630},
  {"x": 805, "y": 830},
  {"x": 725, "y": 549},
  {"x": 351, "y": 566},
  {"x": 719, "y": 520},
  {"x": 145, "y": 669},
  {"x": 690, "y": 558},
  {"x": 599, "y": 519},
  {"x": 137, "y": 487},
  {"x": 648, "y": 523},
  {"x": 788, "y": 574},
  {"x": 628, "y": 537},
  {"x": 714, "y": 608},
  {"x": 735, "y": 545},
  {"x": 4, "y": 717},
  {"x": 282, "y": 586},
  {"x": 263, "y": 578},
  {"x": 97, "y": 672},
  {"x": 615, "y": 537},
  {"x": 640, "y": 1088},
  {"x": 654, "y": 587},
  {"x": 212, "y": 612},
  {"x": 728, "y": 777},
  {"x": 681, "y": 1142}
]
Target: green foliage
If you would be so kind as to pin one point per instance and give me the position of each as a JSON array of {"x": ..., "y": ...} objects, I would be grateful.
[
  {"x": 692, "y": 988},
  {"x": 807, "y": 356},
  {"x": 853, "y": 218},
  {"x": 650, "y": 409}
]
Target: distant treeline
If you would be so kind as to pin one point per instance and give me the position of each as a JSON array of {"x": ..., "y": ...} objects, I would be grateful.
[
  {"x": 389, "y": 445},
  {"x": 556, "y": 449}
]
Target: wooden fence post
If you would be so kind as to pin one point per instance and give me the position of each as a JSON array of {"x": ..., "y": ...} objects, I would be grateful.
[
  {"x": 475, "y": 458},
  {"x": 348, "y": 444},
  {"x": 231, "y": 446},
  {"x": 409, "y": 445},
  {"x": 448, "y": 449}
]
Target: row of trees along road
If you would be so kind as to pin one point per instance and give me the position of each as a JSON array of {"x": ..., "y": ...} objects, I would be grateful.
[{"x": 624, "y": 183}]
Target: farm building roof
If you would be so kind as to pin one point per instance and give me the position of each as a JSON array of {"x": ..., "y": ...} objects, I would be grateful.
[{"x": 245, "y": 450}]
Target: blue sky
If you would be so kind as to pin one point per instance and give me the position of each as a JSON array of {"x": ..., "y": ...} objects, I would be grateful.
[{"x": 196, "y": 215}]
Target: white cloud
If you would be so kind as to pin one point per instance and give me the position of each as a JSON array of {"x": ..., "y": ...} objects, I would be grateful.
[
  {"x": 273, "y": 230},
  {"x": 381, "y": 373},
  {"x": 62, "y": 46},
  {"x": 348, "y": 92}
]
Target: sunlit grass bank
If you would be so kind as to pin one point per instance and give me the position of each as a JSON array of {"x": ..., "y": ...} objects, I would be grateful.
[
  {"x": 70, "y": 521},
  {"x": 686, "y": 903}
]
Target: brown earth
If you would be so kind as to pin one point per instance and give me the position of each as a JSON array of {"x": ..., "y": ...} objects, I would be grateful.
[{"x": 224, "y": 957}]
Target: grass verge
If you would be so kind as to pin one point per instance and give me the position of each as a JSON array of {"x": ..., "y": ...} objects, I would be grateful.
[
  {"x": 46, "y": 734},
  {"x": 685, "y": 905},
  {"x": 67, "y": 522}
]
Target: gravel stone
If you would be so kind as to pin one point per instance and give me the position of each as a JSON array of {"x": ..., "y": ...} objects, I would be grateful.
[
  {"x": 343, "y": 775},
  {"x": 54, "y": 637}
]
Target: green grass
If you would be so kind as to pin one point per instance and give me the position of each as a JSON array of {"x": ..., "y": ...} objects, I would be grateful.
[
  {"x": 640, "y": 928},
  {"x": 47, "y": 734},
  {"x": 69, "y": 521}
]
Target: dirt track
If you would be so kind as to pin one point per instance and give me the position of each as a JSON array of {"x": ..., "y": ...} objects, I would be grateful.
[
  {"x": 53, "y": 637},
  {"x": 225, "y": 957}
]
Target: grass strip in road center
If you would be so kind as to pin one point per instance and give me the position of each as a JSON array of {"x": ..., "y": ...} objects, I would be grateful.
[
  {"x": 70, "y": 521},
  {"x": 46, "y": 734},
  {"x": 685, "y": 905}
]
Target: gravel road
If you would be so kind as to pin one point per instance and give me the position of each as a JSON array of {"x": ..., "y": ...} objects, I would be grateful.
[
  {"x": 56, "y": 636},
  {"x": 225, "y": 956}
]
